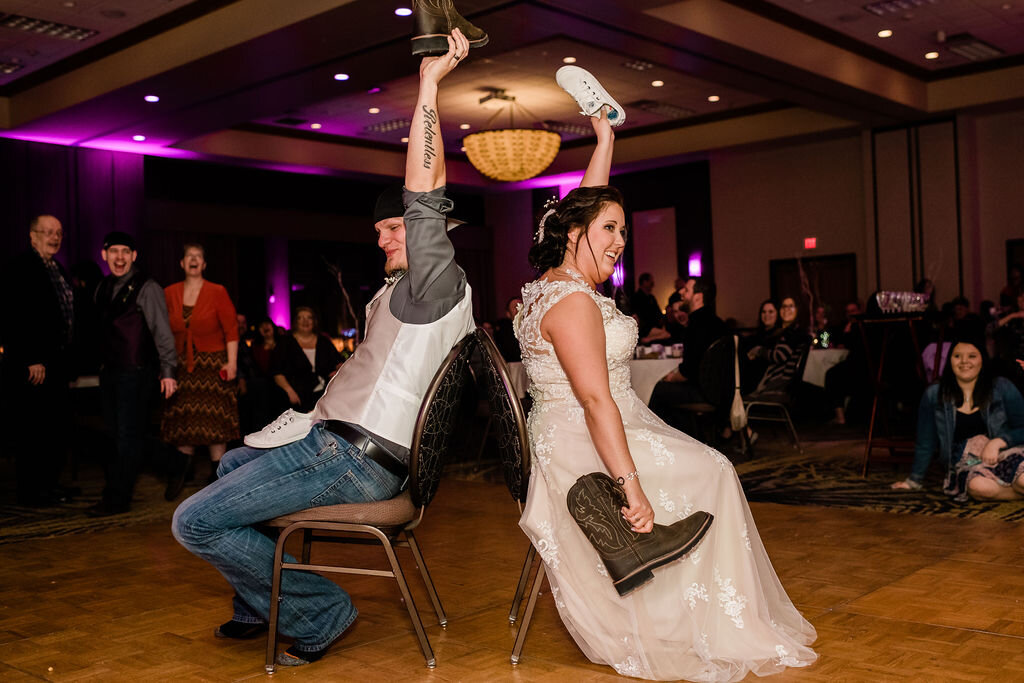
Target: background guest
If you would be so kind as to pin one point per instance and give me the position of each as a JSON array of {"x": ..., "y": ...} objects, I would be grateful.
[
  {"x": 1014, "y": 287},
  {"x": 504, "y": 338},
  {"x": 676, "y": 319},
  {"x": 786, "y": 353},
  {"x": 1008, "y": 340},
  {"x": 675, "y": 296},
  {"x": 757, "y": 346},
  {"x": 846, "y": 378},
  {"x": 138, "y": 355},
  {"x": 644, "y": 306},
  {"x": 304, "y": 361},
  {"x": 703, "y": 328},
  {"x": 204, "y": 411},
  {"x": 968, "y": 402},
  {"x": 38, "y": 326},
  {"x": 820, "y": 322},
  {"x": 264, "y": 400},
  {"x": 965, "y": 322}
]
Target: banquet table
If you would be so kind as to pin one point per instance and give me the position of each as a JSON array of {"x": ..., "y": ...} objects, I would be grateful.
[
  {"x": 820, "y": 361},
  {"x": 644, "y": 374}
]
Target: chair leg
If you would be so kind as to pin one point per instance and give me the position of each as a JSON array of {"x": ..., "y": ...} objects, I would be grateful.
[
  {"x": 275, "y": 593},
  {"x": 792, "y": 429},
  {"x": 442, "y": 618},
  {"x": 524, "y": 576},
  {"x": 524, "y": 625},
  {"x": 414, "y": 615}
]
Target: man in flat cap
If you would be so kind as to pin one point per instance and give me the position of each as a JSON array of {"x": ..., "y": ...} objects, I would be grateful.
[
  {"x": 137, "y": 352},
  {"x": 354, "y": 447}
]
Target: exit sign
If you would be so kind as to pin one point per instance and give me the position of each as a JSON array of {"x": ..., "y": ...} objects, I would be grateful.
[{"x": 810, "y": 243}]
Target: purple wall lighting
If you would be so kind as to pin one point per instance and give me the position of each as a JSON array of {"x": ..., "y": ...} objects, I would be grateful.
[
  {"x": 619, "y": 274},
  {"x": 279, "y": 306},
  {"x": 694, "y": 267}
]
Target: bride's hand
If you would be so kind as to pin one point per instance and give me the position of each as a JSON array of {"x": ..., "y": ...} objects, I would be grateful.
[{"x": 639, "y": 512}]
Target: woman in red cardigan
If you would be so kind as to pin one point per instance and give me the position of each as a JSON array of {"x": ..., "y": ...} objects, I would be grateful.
[{"x": 204, "y": 411}]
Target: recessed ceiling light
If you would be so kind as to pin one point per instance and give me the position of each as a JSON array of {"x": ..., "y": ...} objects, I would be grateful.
[
  {"x": 1007, "y": 5},
  {"x": 931, "y": 55},
  {"x": 403, "y": 11},
  {"x": 657, "y": 84},
  {"x": 341, "y": 77},
  {"x": 151, "y": 98},
  {"x": 885, "y": 33},
  {"x": 69, "y": 3},
  {"x": 462, "y": 149},
  {"x": 713, "y": 98},
  {"x": 464, "y": 126},
  {"x": 316, "y": 126},
  {"x": 405, "y": 139},
  {"x": 569, "y": 60},
  {"x": 139, "y": 138},
  {"x": 374, "y": 110}
]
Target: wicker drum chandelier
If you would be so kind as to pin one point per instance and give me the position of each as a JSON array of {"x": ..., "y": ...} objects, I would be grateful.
[{"x": 511, "y": 154}]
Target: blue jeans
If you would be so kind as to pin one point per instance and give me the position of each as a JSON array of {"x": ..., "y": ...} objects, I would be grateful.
[{"x": 259, "y": 484}]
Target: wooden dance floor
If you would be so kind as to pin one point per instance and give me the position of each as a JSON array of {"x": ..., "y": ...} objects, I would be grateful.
[{"x": 894, "y": 597}]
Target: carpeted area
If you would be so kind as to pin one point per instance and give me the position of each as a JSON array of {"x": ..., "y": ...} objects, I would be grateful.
[
  {"x": 827, "y": 473},
  {"x": 18, "y": 523}
]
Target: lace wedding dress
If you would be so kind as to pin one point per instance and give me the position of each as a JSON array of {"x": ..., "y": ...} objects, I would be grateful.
[{"x": 714, "y": 615}]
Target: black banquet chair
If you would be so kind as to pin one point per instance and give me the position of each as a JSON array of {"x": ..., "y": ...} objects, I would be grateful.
[
  {"x": 389, "y": 522},
  {"x": 508, "y": 420}
]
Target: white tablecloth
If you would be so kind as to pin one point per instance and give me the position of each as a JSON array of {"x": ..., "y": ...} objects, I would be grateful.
[
  {"x": 819, "y": 362},
  {"x": 644, "y": 373}
]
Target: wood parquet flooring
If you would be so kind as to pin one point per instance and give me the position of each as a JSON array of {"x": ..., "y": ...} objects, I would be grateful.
[{"x": 894, "y": 598}]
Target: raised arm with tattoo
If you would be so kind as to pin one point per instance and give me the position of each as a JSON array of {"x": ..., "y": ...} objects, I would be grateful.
[{"x": 424, "y": 163}]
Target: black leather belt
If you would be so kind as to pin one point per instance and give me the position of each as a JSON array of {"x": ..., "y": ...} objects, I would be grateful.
[{"x": 370, "y": 449}]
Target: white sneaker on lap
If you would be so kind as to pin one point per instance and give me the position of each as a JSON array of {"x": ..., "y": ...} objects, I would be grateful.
[
  {"x": 589, "y": 94},
  {"x": 288, "y": 427}
]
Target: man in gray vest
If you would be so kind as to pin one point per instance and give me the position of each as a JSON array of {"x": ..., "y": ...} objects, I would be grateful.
[
  {"x": 137, "y": 349},
  {"x": 358, "y": 439}
]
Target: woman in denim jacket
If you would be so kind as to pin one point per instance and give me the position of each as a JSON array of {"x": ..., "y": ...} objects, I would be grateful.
[{"x": 976, "y": 421}]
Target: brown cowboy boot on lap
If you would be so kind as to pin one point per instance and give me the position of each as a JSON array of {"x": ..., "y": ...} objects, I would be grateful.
[
  {"x": 435, "y": 19},
  {"x": 595, "y": 501}
]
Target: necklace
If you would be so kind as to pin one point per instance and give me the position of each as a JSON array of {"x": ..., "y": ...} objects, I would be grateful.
[{"x": 394, "y": 277}]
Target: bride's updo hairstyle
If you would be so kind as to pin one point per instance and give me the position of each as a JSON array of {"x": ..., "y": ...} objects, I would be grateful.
[{"x": 579, "y": 209}]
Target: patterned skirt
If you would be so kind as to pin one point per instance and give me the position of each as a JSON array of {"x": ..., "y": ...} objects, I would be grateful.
[
  {"x": 204, "y": 409},
  {"x": 968, "y": 466}
]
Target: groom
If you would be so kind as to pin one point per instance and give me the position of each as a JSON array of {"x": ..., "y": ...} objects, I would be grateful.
[{"x": 358, "y": 448}]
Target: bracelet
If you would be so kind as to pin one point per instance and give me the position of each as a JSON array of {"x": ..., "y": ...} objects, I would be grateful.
[{"x": 629, "y": 477}]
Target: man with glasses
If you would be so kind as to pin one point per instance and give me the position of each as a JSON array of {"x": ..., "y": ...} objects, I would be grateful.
[{"x": 37, "y": 333}]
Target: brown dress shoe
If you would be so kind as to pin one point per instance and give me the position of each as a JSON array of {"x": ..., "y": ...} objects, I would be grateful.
[
  {"x": 436, "y": 19},
  {"x": 595, "y": 501}
]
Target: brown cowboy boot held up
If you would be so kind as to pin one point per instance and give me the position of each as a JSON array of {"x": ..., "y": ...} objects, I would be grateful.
[{"x": 433, "y": 21}]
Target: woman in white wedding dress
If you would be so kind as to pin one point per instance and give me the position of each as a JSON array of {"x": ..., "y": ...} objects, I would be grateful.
[{"x": 720, "y": 611}]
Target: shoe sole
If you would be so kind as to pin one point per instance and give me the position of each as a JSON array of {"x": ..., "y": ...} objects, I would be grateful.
[
  {"x": 645, "y": 572},
  {"x": 248, "y": 635},
  {"x": 617, "y": 115},
  {"x": 437, "y": 45}
]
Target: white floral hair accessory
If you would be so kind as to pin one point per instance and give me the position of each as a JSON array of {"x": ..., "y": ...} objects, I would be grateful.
[{"x": 550, "y": 206}]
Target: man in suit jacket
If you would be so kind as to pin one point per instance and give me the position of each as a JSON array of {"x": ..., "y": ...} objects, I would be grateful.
[{"x": 38, "y": 319}]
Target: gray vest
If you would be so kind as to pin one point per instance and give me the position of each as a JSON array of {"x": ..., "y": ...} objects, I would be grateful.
[{"x": 381, "y": 386}]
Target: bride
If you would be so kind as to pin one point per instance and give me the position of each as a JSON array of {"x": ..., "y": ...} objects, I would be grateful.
[{"x": 717, "y": 613}]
